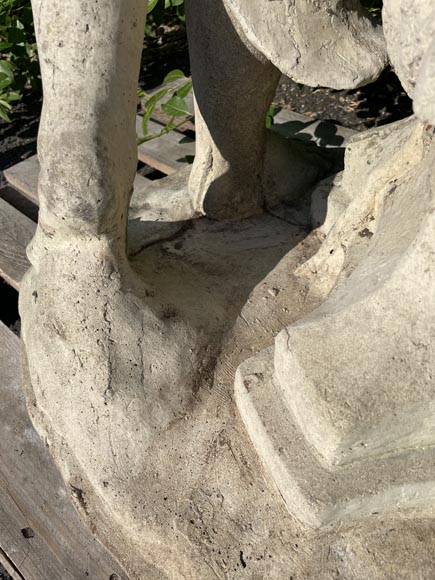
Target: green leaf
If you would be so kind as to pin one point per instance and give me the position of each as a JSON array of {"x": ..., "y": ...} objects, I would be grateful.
[
  {"x": 5, "y": 104},
  {"x": 5, "y": 46},
  {"x": 4, "y": 115},
  {"x": 174, "y": 75},
  {"x": 175, "y": 107},
  {"x": 7, "y": 69},
  {"x": 270, "y": 116},
  {"x": 158, "y": 13},
  {"x": 184, "y": 90},
  {"x": 13, "y": 96},
  {"x": 4, "y": 81},
  {"x": 149, "y": 107},
  {"x": 27, "y": 16},
  {"x": 180, "y": 13},
  {"x": 16, "y": 35},
  {"x": 151, "y": 5}
]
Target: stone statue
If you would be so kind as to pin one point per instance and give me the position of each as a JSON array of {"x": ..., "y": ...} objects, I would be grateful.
[
  {"x": 329, "y": 43},
  {"x": 241, "y": 400}
]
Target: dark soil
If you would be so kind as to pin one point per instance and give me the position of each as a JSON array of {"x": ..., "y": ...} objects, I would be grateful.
[
  {"x": 18, "y": 138},
  {"x": 3, "y": 574},
  {"x": 165, "y": 50},
  {"x": 378, "y": 103}
]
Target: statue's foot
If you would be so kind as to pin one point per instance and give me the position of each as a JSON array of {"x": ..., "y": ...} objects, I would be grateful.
[{"x": 340, "y": 411}]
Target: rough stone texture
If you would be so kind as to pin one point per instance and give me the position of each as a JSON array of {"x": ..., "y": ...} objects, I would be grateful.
[
  {"x": 353, "y": 376},
  {"x": 230, "y": 112},
  {"x": 424, "y": 103},
  {"x": 329, "y": 43},
  {"x": 409, "y": 31},
  {"x": 238, "y": 400}
]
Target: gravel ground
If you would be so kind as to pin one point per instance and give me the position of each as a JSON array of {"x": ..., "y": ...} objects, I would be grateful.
[{"x": 378, "y": 103}]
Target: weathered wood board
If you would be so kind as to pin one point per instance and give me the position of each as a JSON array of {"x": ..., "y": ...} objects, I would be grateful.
[
  {"x": 16, "y": 231},
  {"x": 168, "y": 153},
  {"x": 24, "y": 178},
  {"x": 41, "y": 535}
]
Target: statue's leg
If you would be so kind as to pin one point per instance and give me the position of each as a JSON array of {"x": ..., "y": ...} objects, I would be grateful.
[
  {"x": 69, "y": 299},
  {"x": 90, "y": 57},
  {"x": 93, "y": 334},
  {"x": 234, "y": 86}
]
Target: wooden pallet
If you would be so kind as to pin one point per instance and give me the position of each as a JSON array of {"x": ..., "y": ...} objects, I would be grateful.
[{"x": 41, "y": 535}]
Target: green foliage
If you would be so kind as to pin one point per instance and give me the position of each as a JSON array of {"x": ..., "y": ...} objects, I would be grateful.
[
  {"x": 175, "y": 106},
  {"x": 271, "y": 112},
  {"x": 160, "y": 10},
  {"x": 19, "y": 67},
  {"x": 373, "y": 6}
]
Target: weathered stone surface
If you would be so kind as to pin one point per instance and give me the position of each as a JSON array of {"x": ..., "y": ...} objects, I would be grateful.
[
  {"x": 409, "y": 29},
  {"x": 323, "y": 355},
  {"x": 330, "y": 43},
  {"x": 322, "y": 462},
  {"x": 340, "y": 411},
  {"x": 316, "y": 43},
  {"x": 424, "y": 97},
  {"x": 230, "y": 110}
]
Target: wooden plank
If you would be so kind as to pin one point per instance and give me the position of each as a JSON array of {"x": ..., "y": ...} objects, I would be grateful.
[
  {"x": 16, "y": 231},
  {"x": 8, "y": 567},
  {"x": 24, "y": 177},
  {"x": 20, "y": 202},
  {"x": 324, "y": 133},
  {"x": 160, "y": 117},
  {"x": 167, "y": 153},
  {"x": 34, "y": 498}
]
